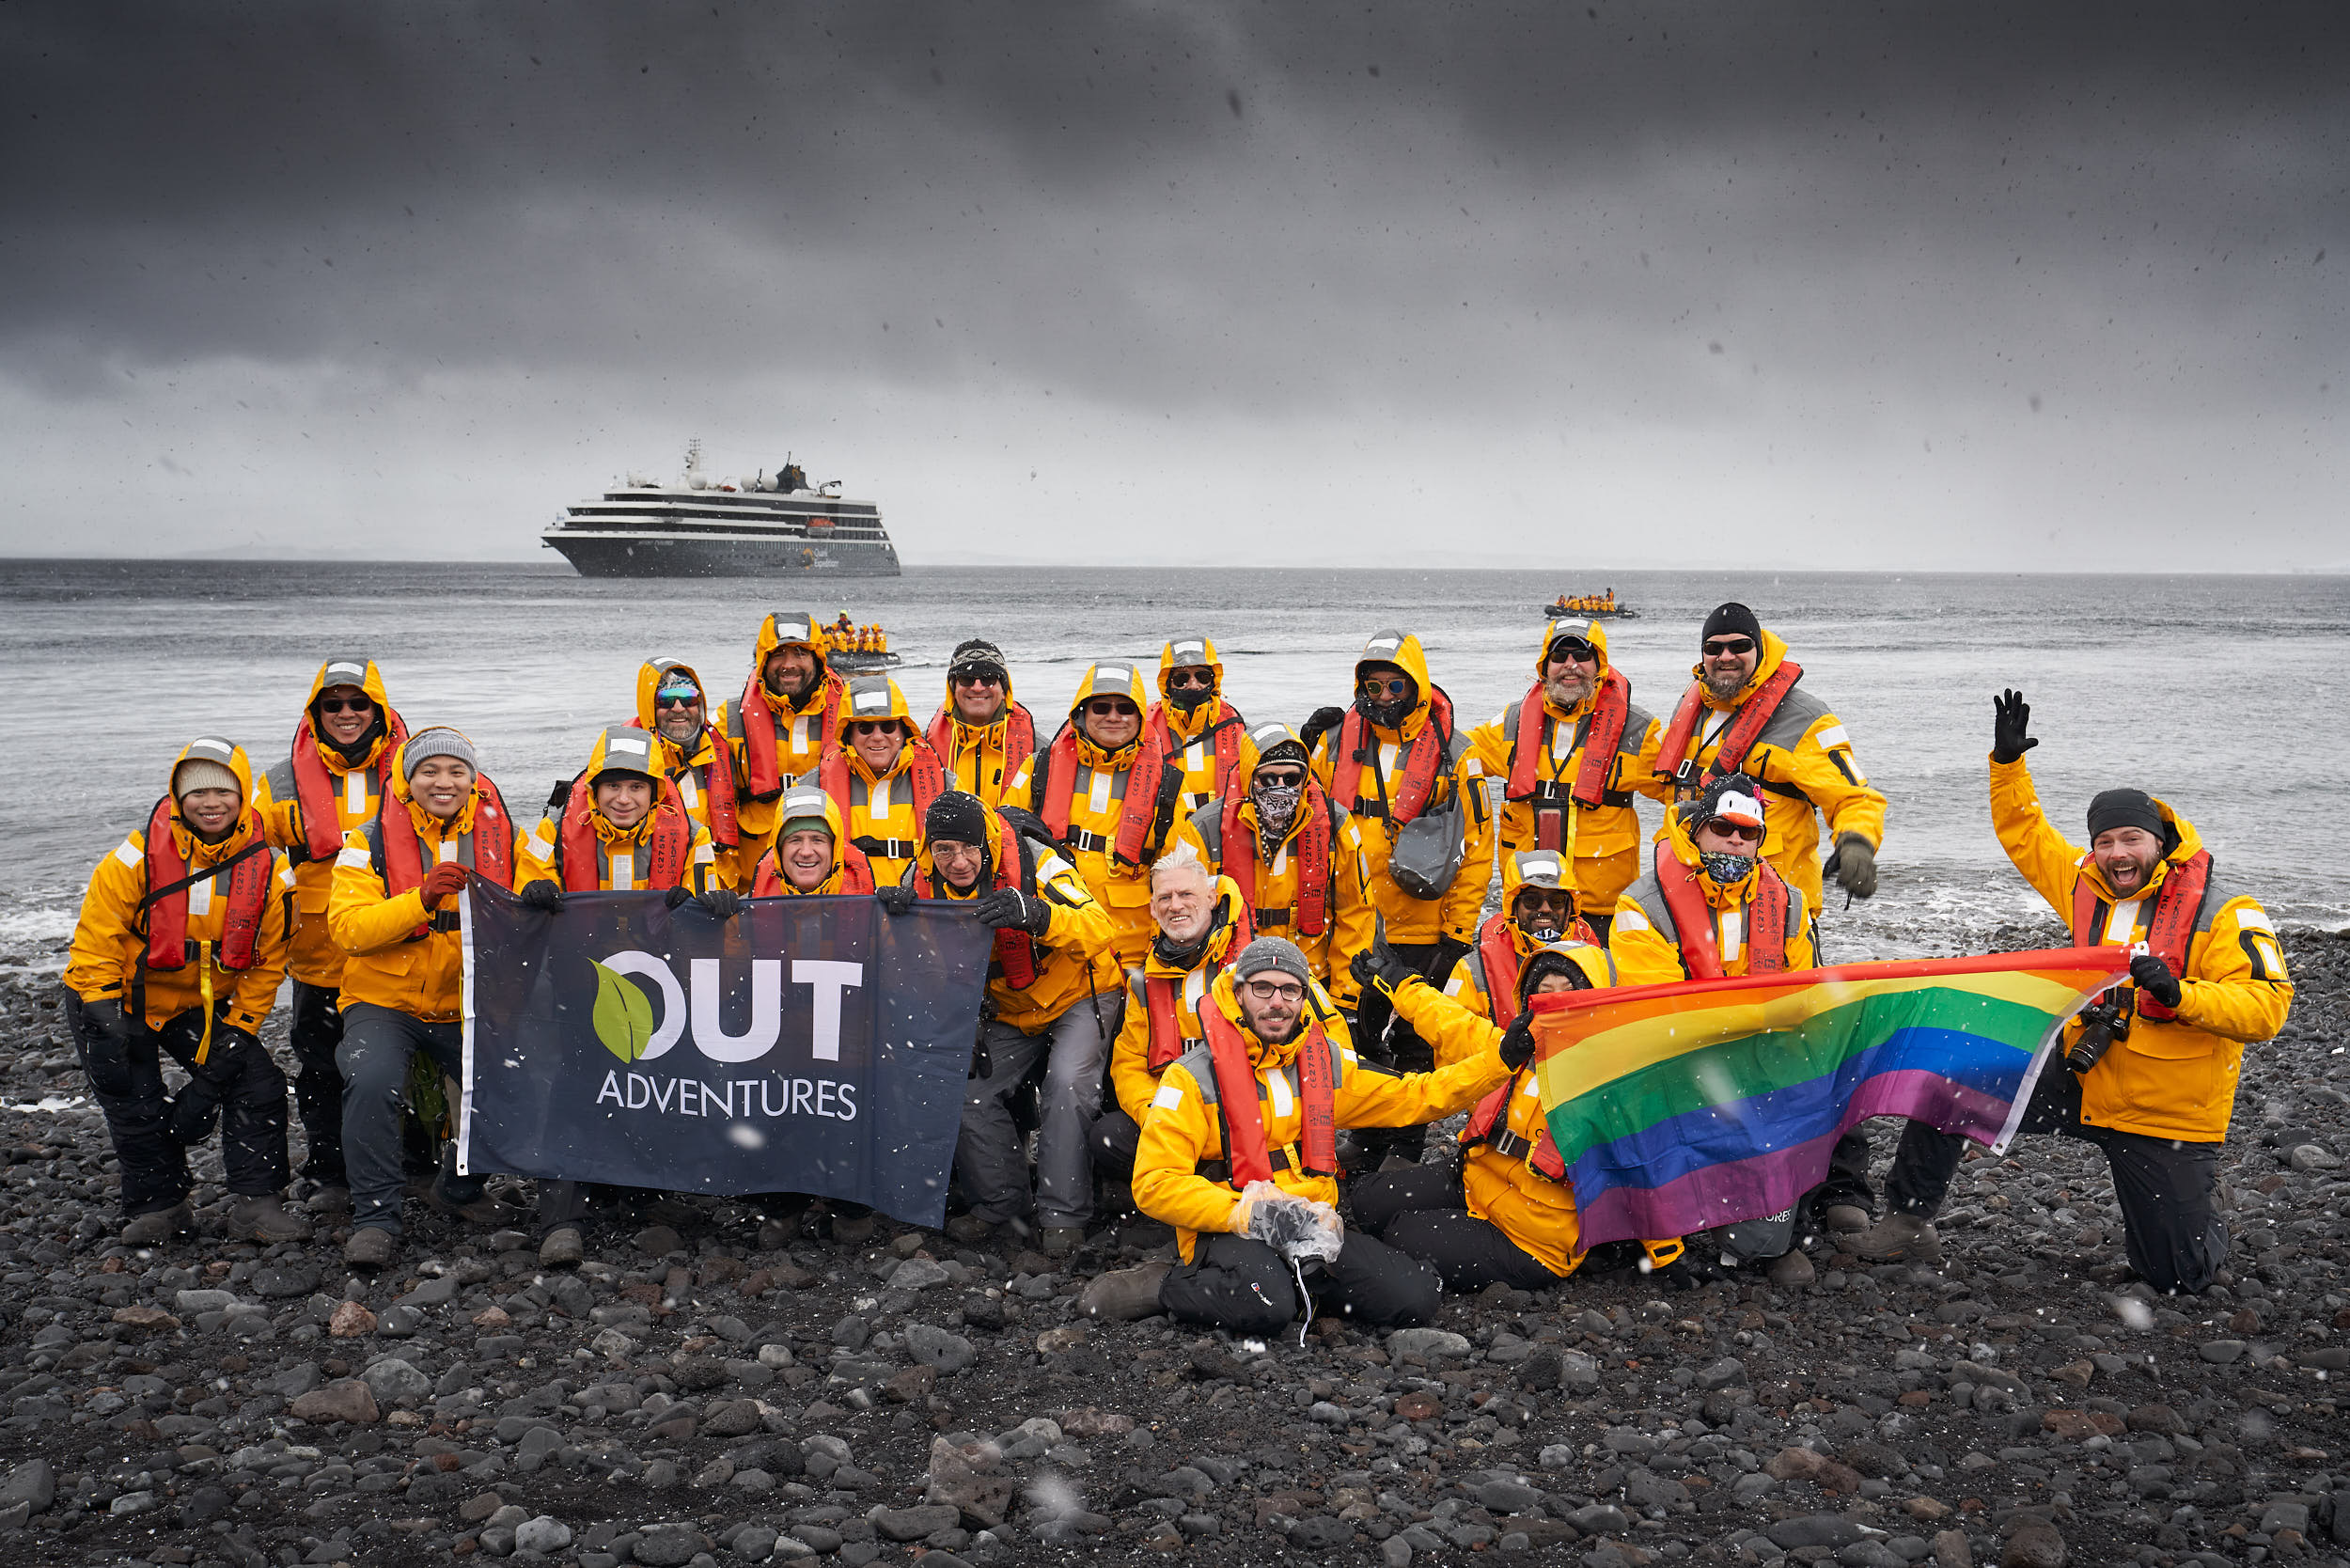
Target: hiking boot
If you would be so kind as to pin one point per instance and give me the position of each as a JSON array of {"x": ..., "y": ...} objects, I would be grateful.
[
  {"x": 1791, "y": 1269},
  {"x": 370, "y": 1246},
  {"x": 264, "y": 1219},
  {"x": 482, "y": 1209},
  {"x": 328, "y": 1197},
  {"x": 1059, "y": 1241},
  {"x": 1125, "y": 1294},
  {"x": 853, "y": 1230},
  {"x": 563, "y": 1249},
  {"x": 1844, "y": 1220},
  {"x": 158, "y": 1226},
  {"x": 970, "y": 1230},
  {"x": 1895, "y": 1237}
]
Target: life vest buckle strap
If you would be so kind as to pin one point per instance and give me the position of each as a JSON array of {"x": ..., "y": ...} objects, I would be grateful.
[{"x": 1093, "y": 843}]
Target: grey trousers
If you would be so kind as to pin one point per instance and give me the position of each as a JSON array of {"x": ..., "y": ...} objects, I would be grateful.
[
  {"x": 989, "y": 1163},
  {"x": 373, "y": 1056}
]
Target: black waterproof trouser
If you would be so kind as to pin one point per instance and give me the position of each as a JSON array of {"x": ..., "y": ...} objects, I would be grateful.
[
  {"x": 1236, "y": 1284},
  {"x": 1112, "y": 1140},
  {"x": 1402, "y": 1049},
  {"x": 238, "y": 1077},
  {"x": 2172, "y": 1231},
  {"x": 377, "y": 1044},
  {"x": 316, "y": 1032},
  {"x": 1422, "y": 1212}
]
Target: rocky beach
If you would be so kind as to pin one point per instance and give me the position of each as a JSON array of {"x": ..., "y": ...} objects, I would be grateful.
[{"x": 688, "y": 1398}]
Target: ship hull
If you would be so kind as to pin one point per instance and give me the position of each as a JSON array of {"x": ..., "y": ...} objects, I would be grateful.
[{"x": 622, "y": 555}]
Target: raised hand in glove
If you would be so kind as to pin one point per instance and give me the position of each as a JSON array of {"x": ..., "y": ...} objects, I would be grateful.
[
  {"x": 1856, "y": 866},
  {"x": 678, "y": 897},
  {"x": 894, "y": 900},
  {"x": 544, "y": 897},
  {"x": 1517, "y": 1041},
  {"x": 1009, "y": 908},
  {"x": 106, "y": 1039},
  {"x": 1378, "y": 967},
  {"x": 1323, "y": 721},
  {"x": 441, "y": 882},
  {"x": 2154, "y": 977},
  {"x": 725, "y": 902},
  {"x": 2010, "y": 717}
]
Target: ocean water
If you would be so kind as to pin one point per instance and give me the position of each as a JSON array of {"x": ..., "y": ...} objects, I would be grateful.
[{"x": 2228, "y": 696}]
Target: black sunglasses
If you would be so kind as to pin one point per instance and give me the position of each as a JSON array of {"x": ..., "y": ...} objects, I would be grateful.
[{"x": 344, "y": 705}]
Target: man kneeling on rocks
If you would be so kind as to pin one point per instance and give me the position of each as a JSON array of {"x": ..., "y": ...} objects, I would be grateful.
[{"x": 1244, "y": 1127}]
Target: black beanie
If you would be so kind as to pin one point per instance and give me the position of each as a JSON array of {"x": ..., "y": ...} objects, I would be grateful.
[
  {"x": 1730, "y": 620},
  {"x": 2114, "y": 808},
  {"x": 959, "y": 815}
]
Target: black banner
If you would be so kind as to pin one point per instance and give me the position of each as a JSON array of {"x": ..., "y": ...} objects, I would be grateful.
[{"x": 808, "y": 1044}]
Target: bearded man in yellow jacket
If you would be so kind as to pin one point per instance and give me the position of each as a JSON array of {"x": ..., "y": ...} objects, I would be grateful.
[
  {"x": 2150, "y": 1073},
  {"x": 1240, "y": 1153},
  {"x": 179, "y": 951},
  {"x": 672, "y": 703},
  {"x": 331, "y": 782},
  {"x": 783, "y": 723}
]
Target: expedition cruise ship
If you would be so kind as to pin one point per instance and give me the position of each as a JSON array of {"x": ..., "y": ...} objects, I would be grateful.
[{"x": 708, "y": 526}]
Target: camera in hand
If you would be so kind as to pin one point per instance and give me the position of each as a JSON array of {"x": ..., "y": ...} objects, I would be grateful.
[{"x": 2102, "y": 1024}]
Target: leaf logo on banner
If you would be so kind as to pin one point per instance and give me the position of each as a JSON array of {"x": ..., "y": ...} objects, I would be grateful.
[{"x": 623, "y": 1015}]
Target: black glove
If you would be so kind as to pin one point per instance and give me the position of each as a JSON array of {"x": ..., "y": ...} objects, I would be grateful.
[
  {"x": 896, "y": 900},
  {"x": 545, "y": 897},
  {"x": 1323, "y": 721},
  {"x": 725, "y": 902},
  {"x": 2154, "y": 977},
  {"x": 1517, "y": 1041},
  {"x": 1856, "y": 866},
  {"x": 106, "y": 1039},
  {"x": 677, "y": 895},
  {"x": 2010, "y": 716},
  {"x": 1379, "y": 968},
  {"x": 1010, "y": 908}
]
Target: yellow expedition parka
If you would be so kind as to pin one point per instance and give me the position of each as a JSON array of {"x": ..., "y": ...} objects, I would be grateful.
[
  {"x": 1073, "y": 959},
  {"x": 883, "y": 810},
  {"x": 1605, "y": 839},
  {"x": 797, "y": 732},
  {"x": 1131, "y": 1075},
  {"x": 1094, "y": 794},
  {"x": 980, "y": 758},
  {"x": 624, "y": 855},
  {"x": 2175, "y": 1077},
  {"x": 1192, "y": 737},
  {"x": 314, "y": 959},
  {"x": 1804, "y": 760},
  {"x": 767, "y": 878},
  {"x": 1469, "y": 985},
  {"x": 1183, "y": 1131},
  {"x": 690, "y": 768},
  {"x": 1500, "y": 1187},
  {"x": 1647, "y": 947},
  {"x": 111, "y": 937},
  {"x": 1409, "y": 919},
  {"x": 1278, "y": 871},
  {"x": 388, "y": 963}
]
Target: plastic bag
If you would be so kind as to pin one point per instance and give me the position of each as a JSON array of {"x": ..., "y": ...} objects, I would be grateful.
[{"x": 1295, "y": 1227}]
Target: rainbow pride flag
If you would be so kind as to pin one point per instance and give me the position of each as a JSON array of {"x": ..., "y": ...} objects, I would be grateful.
[{"x": 1680, "y": 1108}]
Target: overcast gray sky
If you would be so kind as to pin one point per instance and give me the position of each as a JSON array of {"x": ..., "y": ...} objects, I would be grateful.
[{"x": 1967, "y": 285}]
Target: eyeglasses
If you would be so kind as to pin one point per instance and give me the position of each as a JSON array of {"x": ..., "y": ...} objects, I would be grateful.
[
  {"x": 1271, "y": 991},
  {"x": 872, "y": 726},
  {"x": 1187, "y": 679},
  {"x": 1742, "y": 832},
  {"x": 1108, "y": 707},
  {"x": 344, "y": 705},
  {"x": 1280, "y": 779},
  {"x": 674, "y": 699},
  {"x": 976, "y": 677},
  {"x": 1728, "y": 645},
  {"x": 1373, "y": 686}
]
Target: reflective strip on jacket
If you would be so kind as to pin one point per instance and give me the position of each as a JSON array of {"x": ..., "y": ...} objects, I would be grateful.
[{"x": 110, "y": 935}]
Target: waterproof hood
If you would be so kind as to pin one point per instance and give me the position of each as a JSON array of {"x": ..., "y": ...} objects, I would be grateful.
[
  {"x": 1263, "y": 739},
  {"x": 1557, "y": 958},
  {"x": 1110, "y": 678},
  {"x": 1184, "y": 651},
  {"x": 222, "y": 753},
  {"x": 625, "y": 749},
  {"x": 652, "y": 674},
  {"x": 788, "y": 629},
  {"x": 351, "y": 669},
  {"x": 800, "y": 802},
  {"x": 2181, "y": 843},
  {"x": 1592, "y": 632},
  {"x": 870, "y": 697},
  {"x": 1402, "y": 649}
]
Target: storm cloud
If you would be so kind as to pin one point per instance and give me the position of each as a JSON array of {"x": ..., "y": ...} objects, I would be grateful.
[{"x": 1961, "y": 286}]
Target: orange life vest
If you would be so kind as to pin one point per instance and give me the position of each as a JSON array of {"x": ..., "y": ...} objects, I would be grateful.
[
  {"x": 580, "y": 850},
  {"x": 838, "y": 781},
  {"x": 856, "y": 875},
  {"x": 1603, "y": 733},
  {"x": 1138, "y": 825},
  {"x": 1015, "y": 950},
  {"x": 717, "y": 781},
  {"x": 487, "y": 849},
  {"x": 1238, "y": 849},
  {"x": 166, "y": 905},
  {"x": 1019, "y": 737},
  {"x": 1245, "y": 1151},
  {"x": 1424, "y": 761},
  {"x": 1674, "y": 759},
  {"x": 2178, "y": 907},
  {"x": 756, "y": 718},
  {"x": 1693, "y": 920},
  {"x": 1224, "y": 730},
  {"x": 315, "y": 785},
  {"x": 1490, "y": 1123}
]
